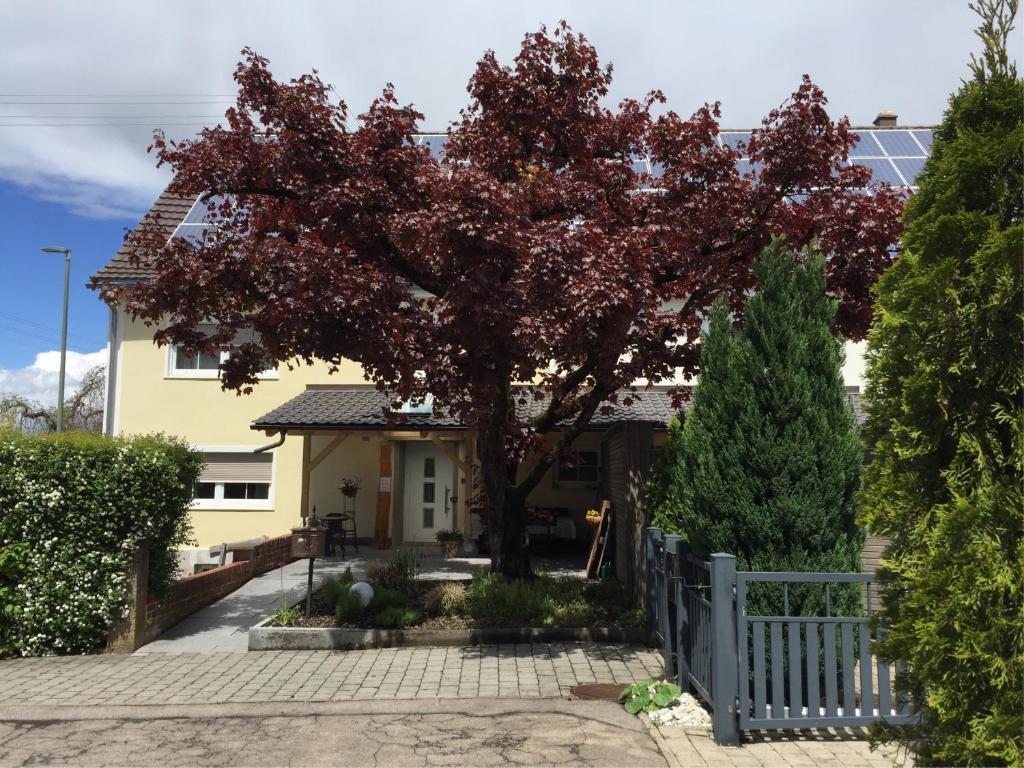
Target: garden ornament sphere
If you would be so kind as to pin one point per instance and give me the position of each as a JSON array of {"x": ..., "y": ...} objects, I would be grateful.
[{"x": 364, "y": 591}]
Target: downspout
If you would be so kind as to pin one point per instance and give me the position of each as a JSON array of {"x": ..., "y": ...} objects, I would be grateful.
[
  {"x": 110, "y": 387},
  {"x": 276, "y": 444}
]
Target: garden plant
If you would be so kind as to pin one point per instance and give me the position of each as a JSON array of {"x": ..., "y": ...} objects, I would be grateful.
[
  {"x": 767, "y": 463},
  {"x": 945, "y": 404},
  {"x": 74, "y": 508}
]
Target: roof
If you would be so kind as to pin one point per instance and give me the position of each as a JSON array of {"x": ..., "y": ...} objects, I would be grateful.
[
  {"x": 895, "y": 155},
  {"x": 166, "y": 214},
  {"x": 363, "y": 408}
]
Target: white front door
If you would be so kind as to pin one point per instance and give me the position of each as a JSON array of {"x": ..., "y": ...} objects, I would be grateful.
[{"x": 429, "y": 484}]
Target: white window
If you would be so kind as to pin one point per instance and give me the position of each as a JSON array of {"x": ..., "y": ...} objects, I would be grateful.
[
  {"x": 205, "y": 365},
  {"x": 235, "y": 480},
  {"x": 577, "y": 468}
]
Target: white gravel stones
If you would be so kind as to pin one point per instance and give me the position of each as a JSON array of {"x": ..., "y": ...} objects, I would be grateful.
[{"x": 686, "y": 711}]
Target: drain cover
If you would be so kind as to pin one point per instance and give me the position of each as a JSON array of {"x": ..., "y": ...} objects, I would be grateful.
[{"x": 603, "y": 691}]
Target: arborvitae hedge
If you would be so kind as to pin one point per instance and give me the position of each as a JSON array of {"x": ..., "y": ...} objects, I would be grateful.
[
  {"x": 73, "y": 509},
  {"x": 768, "y": 460},
  {"x": 946, "y": 426}
]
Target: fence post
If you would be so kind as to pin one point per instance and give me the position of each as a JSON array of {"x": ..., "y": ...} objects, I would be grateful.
[
  {"x": 127, "y": 633},
  {"x": 651, "y": 582},
  {"x": 683, "y": 578},
  {"x": 723, "y": 650},
  {"x": 669, "y": 618}
]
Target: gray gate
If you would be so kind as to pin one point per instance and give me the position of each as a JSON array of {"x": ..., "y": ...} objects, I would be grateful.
[
  {"x": 823, "y": 652},
  {"x": 697, "y": 611}
]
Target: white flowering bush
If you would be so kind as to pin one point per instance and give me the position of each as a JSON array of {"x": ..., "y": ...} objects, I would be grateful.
[{"x": 73, "y": 510}]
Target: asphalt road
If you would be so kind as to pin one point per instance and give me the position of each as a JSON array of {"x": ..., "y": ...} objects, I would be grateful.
[{"x": 472, "y": 732}]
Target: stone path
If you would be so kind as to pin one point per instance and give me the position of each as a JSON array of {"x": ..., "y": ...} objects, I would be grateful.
[
  {"x": 823, "y": 748},
  {"x": 505, "y": 671},
  {"x": 224, "y": 625}
]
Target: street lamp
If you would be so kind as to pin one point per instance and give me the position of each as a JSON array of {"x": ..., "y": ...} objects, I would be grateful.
[{"x": 63, "y": 332}]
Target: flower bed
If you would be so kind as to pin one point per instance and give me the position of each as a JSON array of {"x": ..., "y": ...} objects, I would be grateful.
[{"x": 401, "y": 601}]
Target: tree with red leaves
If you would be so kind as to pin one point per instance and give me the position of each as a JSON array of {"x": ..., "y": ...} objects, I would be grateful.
[{"x": 531, "y": 252}]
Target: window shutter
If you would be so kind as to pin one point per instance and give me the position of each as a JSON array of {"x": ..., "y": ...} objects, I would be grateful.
[{"x": 237, "y": 468}]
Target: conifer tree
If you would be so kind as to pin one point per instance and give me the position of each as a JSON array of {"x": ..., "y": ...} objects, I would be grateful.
[
  {"x": 946, "y": 424},
  {"x": 768, "y": 460}
]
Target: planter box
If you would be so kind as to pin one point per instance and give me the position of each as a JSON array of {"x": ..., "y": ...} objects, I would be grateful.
[{"x": 263, "y": 637}]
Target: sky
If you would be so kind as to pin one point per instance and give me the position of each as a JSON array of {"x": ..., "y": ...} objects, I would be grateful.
[{"x": 82, "y": 85}]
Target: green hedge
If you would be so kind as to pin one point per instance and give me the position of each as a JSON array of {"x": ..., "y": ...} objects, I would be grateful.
[{"x": 73, "y": 509}]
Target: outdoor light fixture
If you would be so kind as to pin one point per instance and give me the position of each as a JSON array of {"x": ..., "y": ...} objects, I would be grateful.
[{"x": 63, "y": 332}]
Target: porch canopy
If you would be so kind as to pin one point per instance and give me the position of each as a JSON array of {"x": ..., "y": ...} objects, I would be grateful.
[
  {"x": 334, "y": 414},
  {"x": 359, "y": 408}
]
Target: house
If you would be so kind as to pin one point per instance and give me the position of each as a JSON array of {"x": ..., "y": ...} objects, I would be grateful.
[{"x": 284, "y": 449}]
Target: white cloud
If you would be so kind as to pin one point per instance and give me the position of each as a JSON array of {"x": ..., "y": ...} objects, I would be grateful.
[
  {"x": 38, "y": 381},
  {"x": 903, "y": 56}
]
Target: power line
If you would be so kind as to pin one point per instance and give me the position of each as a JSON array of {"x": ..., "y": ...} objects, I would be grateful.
[
  {"x": 115, "y": 95},
  {"x": 104, "y": 117},
  {"x": 7, "y": 317},
  {"x": 95, "y": 125},
  {"x": 114, "y": 103}
]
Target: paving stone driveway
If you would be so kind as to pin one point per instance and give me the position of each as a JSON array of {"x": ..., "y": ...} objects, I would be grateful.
[{"x": 517, "y": 671}]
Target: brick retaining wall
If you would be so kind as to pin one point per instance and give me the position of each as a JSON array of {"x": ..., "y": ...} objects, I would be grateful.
[{"x": 194, "y": 592}]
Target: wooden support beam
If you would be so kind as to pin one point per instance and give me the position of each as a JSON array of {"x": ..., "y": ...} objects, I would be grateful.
[
  {"x": 328, "y": 450},
  {"x": 446, "y": 449},
  {"x": 468, "y": 480},
  {"x": 383, "y": 512}
]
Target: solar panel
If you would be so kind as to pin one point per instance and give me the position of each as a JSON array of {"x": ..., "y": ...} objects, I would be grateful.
[
  {"x": 925, "y": 137},
  {"x": 200, "y": 213},
  {"x": 867, "y": 146},
  {"x": 881, "y": 170},
  {"x": 639, "y": 165},
  {"x": 435, "y": 143},
  {"x": 898, "y": 143},
  {"x": 910, "y": 167},
  {"x": 193, "y": 233},
  {"x": 732, "y": 139},
  {"x": 746, "y": 166}
]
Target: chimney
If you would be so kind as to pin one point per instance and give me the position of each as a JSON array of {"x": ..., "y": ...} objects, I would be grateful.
[{"x": 886, "y": 119}]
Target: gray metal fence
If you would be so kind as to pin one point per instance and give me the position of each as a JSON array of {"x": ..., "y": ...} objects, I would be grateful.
[{"x": 819, "y": 670}]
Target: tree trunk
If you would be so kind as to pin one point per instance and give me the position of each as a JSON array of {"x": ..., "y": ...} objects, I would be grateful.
[
  {"x": 509, "y": 554},
  {"x": 506, "y": 508}
]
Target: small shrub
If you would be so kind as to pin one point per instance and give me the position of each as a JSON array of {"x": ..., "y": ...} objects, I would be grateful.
[
  {"x": 287, "y": 616},
  {"x": 447, "y": 599},
  {"x": 648, "y": 696},
  {"x": 397, "y": 617},
  {"x": 406, "y": 569},
  {"x": 74, "y": 508},
  {"x": 347, "y": 608},
  {"x": 610, "y": 595},
  {"x": 386, "y": 598},
  {"x": 380, "y": 572},
  {"x": 330, "y": 589},
  {"x": 346, "y": 576}
]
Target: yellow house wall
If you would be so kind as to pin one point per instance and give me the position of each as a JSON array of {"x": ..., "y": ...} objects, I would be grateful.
[{"x": 199, "y": 411}]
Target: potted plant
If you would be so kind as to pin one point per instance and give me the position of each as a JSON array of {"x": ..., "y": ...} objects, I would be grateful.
[
  {"x": 451, "y": 541},
  {"x": 593, "y": 517},
  {"x": 349, "y": 487}
]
